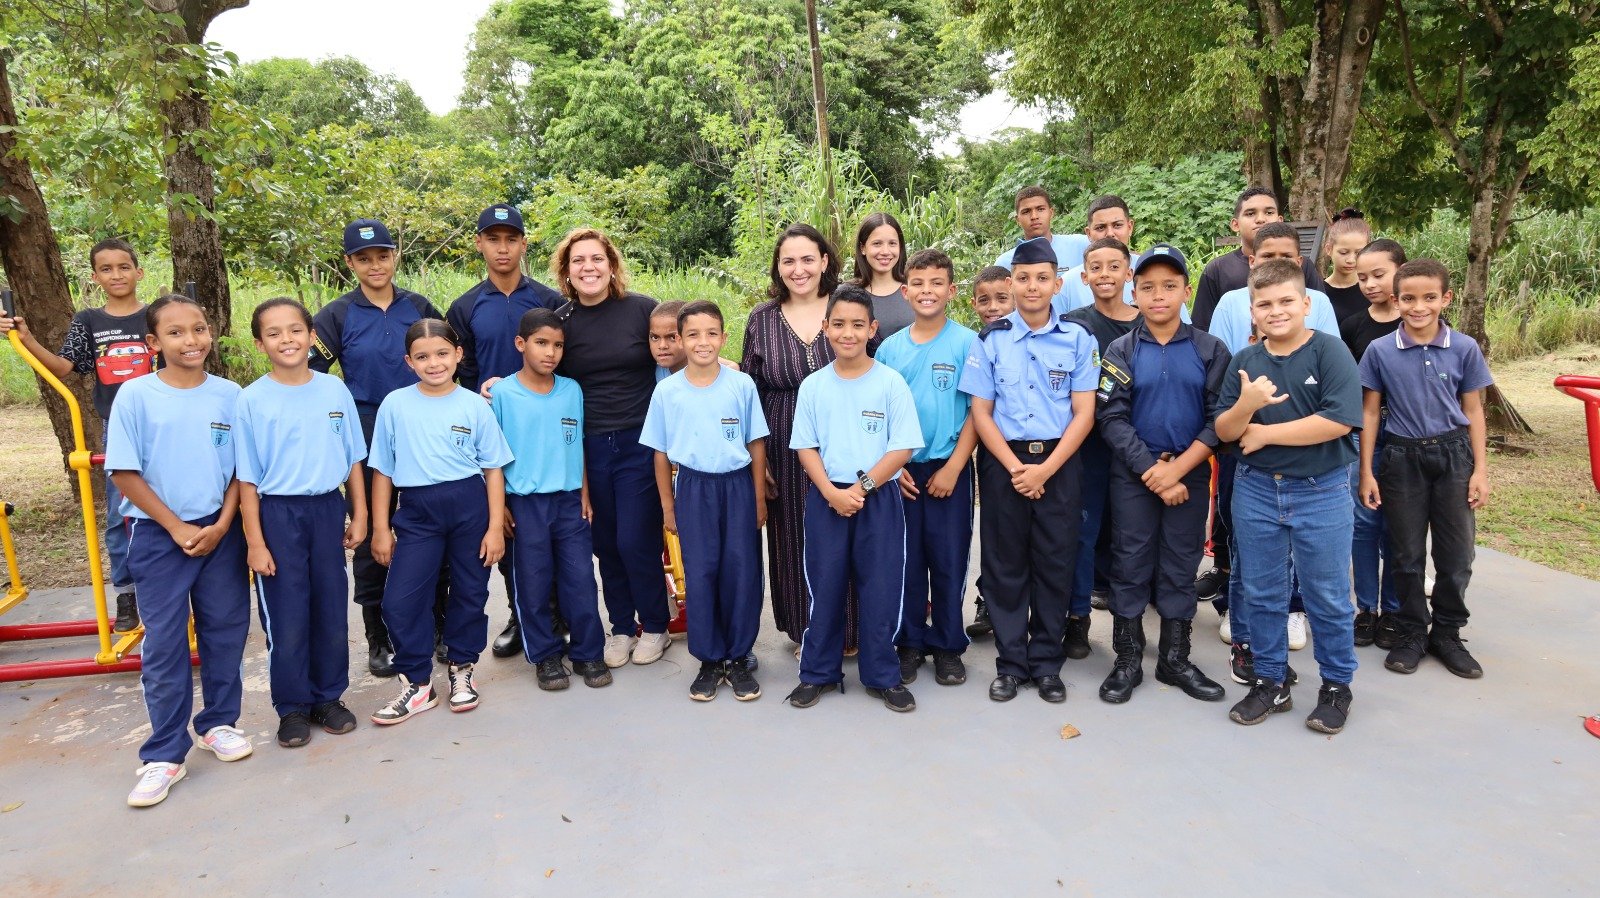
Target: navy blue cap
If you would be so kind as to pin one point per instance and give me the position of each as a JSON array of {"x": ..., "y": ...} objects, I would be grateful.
[
  {"x": 1032, "y": 252},
  {"x": 366, "y": 233},
  {"x": 1162, "y": 252},
  {"x": 500, "y": 215}
]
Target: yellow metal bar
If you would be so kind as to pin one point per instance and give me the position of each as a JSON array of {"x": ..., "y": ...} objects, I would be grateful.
[
  {"x": 16, "y": 592},
  {"x": 79, "y": 461}
]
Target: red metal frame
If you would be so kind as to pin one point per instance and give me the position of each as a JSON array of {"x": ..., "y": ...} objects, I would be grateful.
[{"x": 1587, "y": 389}]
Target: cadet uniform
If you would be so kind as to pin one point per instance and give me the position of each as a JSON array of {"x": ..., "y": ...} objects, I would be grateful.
[
  {"x": 706, "y": 432},
  {"x": 296, "y": 445},
  {"x": 435, "y": 449},
  {"x": 486, "y": 320},
  {"x": 181, "y": 442},
  {"x": 853, "y": 423}
]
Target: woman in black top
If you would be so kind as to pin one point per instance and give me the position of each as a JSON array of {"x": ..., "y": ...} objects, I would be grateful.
[
  {"x": 1346, "y": 236},
  {"x": 608, "y": 354}
]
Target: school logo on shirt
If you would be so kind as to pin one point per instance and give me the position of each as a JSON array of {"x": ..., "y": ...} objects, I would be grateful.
[
  {"x": 944, "y": 376},
  {"x": 460, "y": 434},
  {"x": 569, "y": 430},
  {"x": 871, "y": 421},
  {"x": 1057, "y": 378},
  {"x": 220, "y": 434},
  {"x": 730, "y": 429},
  {"x": 336, "y": 421}
]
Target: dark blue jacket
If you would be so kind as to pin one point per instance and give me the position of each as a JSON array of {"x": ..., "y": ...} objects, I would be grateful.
[
  {"x": 1154, "y": 398},
  {"x": 486, "y": 321},
  {"x": 369, "y": 343}
]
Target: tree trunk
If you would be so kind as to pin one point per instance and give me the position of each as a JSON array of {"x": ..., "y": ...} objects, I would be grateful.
[
  {"x": 34, "y": 270},
  {"x": 1474, "y": 295}
]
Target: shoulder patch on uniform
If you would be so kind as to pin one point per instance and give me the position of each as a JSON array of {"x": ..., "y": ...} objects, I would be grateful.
[
  {"x": 322, "y": 348},
  {"x": 1001, "y": 324},
  {"x": 1116, "y": 372}
]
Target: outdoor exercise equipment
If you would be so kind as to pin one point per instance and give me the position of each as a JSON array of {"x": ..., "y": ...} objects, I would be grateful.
[
  {"x": 672, "y": 569},
  {"x": 113, "y": 655},
  {"x": 1587, "y": 389}
]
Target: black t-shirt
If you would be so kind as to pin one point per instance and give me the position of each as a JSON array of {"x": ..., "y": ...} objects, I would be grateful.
[
  {"x": 1346, "y": 301},
  {"x": 1359, "y": 330},
  {"x": 112, "y": 348},
  {"x": 608, "y": 354},
  {"x": 1320, "y": 378},
  {"x": 1106, "y": 330}
]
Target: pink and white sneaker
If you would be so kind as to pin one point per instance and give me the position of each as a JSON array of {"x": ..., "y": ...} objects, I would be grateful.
[
  {"x": 413, "y": 700},
  {"x": 227, "y": 743},
  {"x": 155, "y": 778}
]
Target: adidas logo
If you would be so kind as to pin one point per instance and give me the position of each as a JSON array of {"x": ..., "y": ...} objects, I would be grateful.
[{"x": 1311, "y": 379}]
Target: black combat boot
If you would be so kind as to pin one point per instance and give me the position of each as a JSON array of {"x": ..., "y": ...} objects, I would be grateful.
[
  {"x": 1127, "y": 640},
  {"x": 380, "y": 655},
  {"x": 1173, "y": 666}
]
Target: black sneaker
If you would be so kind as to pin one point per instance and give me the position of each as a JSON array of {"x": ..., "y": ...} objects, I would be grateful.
[
  {"x": 1446, "y": 645},
  {"x": 1076, "y": 641},
  {"x": 1366, "y": 627},
  {"x": 1242, "y": 664},
  {"x": 948, "y": 669},
  {"x": 910, "y": 660},
  {"x": 980, "y": 625},
  {"x": 1263, "y": 698},
  {"x": 1333, "y": 708},
  {"x": 1100, "y": 599},
  {"x": 1289, "y": 676},
  {"x": 745, "y": 687},
  {"x": 294, "y": 730},
  {"x": 127, "y": 613},
  {"x": 749, "y": 663},
  {"x": 1387, "y": 636},
  {"x": 895, "y": 698},
  {"x": 1407, "y": 653},
  {"x": 333, "y": 717},
  {"x": 807, "y": 694},
  {"x": 595, "y": 673},
  {"x": 704, "y": 687},
  {"x": 552, "y": 674},
  {"x": 1210, "y": 584},
  {"x": 440, "y": 650}
]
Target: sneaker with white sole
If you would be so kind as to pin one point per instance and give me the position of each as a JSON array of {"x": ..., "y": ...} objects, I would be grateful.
[
  {"x": 651, "y": 647},
  {"x": 463, "y": 691},
  {"x": 155, "y": 778},
  {"x": 227, "y": 743},
  {"x": 1224, "y": 630},
  {"x": 414, "y": 698},
  {"x": 618, "y": 649},
  {"x": 1297, "y": 630}
]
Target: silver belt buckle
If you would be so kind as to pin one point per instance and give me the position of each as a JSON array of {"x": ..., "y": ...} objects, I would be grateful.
[{"x": 1036, "y": 447}]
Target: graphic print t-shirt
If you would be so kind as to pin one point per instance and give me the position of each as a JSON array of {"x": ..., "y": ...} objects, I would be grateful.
[{"x": 112, "y": 348}]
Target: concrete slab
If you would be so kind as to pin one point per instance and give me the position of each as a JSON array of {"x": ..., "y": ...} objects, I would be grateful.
[{"x": 1439, "y": 786}]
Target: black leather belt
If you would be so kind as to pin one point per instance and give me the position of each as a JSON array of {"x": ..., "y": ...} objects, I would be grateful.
[{"x": 1033, "y": 447}]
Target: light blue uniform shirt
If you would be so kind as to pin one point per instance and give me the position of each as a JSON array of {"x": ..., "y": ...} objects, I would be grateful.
[
  {"x": 297, "y": 441},
  {"x": 1069, "y": 249},
  {"x": 180, "y": 442},
  {"x": 422, "y": 440},
  {"x": 854, "y": 422},
  {"x": 705, "y": 428},
  {"x": 1075, "y": 294},
  {"x": 933, "y": 372},
  {"x": 1031, "y": 375},
  {"x": 662, "y": 373},
  {"x": 545, "y": 431},
  {"x": 1231, "y": 323}
]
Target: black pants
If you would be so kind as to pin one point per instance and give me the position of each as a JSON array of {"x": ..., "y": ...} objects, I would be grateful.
[
  {"x": 367, "y": 573},
  {"x": 1158, "y": 546},
  {"x": 1424, "y": 489},
  {"x": 1030, "y": 548}
]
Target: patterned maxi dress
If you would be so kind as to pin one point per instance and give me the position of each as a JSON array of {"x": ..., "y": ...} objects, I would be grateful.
[{"x": 779, "y": 360}]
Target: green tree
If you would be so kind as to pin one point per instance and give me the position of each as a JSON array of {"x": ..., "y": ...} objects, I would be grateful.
[{"x": 339, "y": 90}]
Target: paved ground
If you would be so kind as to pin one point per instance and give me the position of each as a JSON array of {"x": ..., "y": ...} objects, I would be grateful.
[{"x": 1439, "y": 786}]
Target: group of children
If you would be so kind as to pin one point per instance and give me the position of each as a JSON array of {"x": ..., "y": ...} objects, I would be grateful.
[{"x": 1095, "y": 416}]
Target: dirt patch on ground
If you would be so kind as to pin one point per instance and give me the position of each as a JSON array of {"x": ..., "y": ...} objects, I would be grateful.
[{"x": 45, "y": 522}]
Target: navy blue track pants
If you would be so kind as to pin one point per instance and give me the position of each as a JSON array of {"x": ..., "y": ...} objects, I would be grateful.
[
  {"x": 551, "y": 550},
  {"x": 938, "y": 543},
  {"x": 868, "y": 549},
  {"x": 303, "y": 606},
  {"x": 434, "y": 525},
  {"x": 716, "y": 516},
  {"x": 627, "y": 530}
]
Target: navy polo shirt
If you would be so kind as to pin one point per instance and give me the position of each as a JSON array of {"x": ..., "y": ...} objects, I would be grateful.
[
  {"x": 1422, "y": 383},
  {"x": 486, "y": 321},
  {"x": 1156, "y": 398},
  {"x": 1320, "y": 378},
  {"x": 369, "y": 343}
]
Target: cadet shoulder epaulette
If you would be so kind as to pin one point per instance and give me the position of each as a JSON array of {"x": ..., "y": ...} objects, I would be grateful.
[{"x": 1002, "y": 324}]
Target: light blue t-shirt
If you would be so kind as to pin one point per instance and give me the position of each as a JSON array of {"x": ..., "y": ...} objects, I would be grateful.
[
  {"x": 1030, "y": 375},
  {"x": 421, "y": 440},
  {"x": 1069, "y": 249},
  {"x": 545, "y": 431},
  {"x": 662, "y": 373},
  {"x": 1075, "y": 294},
  {"x": 180, "y": 441},
  {"x": 709, "y": 428},
  {"x": 300, "y": 440},
  {"x": 933, "y": 372},
  {"x": 854, "y": 422},
  {"x": 1231, "y": 323}
]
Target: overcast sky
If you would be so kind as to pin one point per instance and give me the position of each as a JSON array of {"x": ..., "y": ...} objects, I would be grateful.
[{"x": 425, "y": 43}]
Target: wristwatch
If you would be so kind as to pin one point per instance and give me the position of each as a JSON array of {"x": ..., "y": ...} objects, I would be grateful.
[{"x": 867, "y": 483}]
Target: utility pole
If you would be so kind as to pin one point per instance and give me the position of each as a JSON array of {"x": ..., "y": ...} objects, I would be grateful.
[{"x": 819, "y": 92}]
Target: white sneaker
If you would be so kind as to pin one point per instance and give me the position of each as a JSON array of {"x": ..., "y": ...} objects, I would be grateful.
[
  {"x": 651, "y": 647},
  {"x": 1224, "y": 630},
  {"x": 463, "y": 692},
  {"x": 618, "y": 648},
  {"x": 155, "y": 778},
  {"x": 1427, "y": 586},
  {"x": 227, "y": 743},
  {"x": 1297, "y": 630},
  {"x": 413, "y": 699}
]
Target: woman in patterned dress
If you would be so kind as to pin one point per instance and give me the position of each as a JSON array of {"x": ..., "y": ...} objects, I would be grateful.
[{"x": 783, "y": 343}]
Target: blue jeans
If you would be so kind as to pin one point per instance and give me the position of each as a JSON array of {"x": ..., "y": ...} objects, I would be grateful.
[
  {"x": 115, "y": 532},
  {"x": 1286, "y": 525},
  {"x": 1095, "y": 485},
  {"x": 1368, "y": 552}
]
